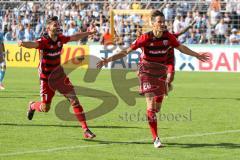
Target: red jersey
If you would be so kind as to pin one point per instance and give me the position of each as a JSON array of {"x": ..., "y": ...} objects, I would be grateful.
[
  {"x": 50, "y": 54},
  {"x": 155, "y": 49},
  {"x": 176, "y": 35}
]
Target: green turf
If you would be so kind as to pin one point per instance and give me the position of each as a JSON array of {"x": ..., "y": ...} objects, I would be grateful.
[{"x": 206, "y": 102}]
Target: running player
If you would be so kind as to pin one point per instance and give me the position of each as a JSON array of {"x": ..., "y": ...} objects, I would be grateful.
[
  {"x": 152, "y": 70},
  {"x": 51, "y": 73}
]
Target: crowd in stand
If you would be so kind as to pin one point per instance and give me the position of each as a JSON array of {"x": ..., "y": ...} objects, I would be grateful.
[{"x": 217, "y": 21}]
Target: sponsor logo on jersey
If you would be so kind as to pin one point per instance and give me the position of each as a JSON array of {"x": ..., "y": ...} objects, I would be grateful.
[{"x": 165, "y": 42}]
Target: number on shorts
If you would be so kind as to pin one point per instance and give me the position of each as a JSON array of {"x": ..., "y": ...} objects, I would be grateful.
[{"x": 146, "y": 86}]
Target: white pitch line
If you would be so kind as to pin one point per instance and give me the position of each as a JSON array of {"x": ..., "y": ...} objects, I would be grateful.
[
  {"x": 203, "y": 134},
  {"x": 50, "y": 150},
  {"x": 99, "y": 145}
]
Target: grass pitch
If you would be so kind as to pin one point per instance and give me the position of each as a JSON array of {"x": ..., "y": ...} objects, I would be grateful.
[{"x": 199, "y": 120}]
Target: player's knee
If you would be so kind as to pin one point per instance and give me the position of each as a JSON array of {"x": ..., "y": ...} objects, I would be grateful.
[
  {"x": 45, "y": 107},
  {"x": 151, "y": 105},
  {"x": 158, "y": 99}
]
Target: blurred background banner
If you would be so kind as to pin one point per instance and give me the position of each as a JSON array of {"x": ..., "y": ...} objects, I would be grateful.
[
  {"x": 23, "y": 57},
  {"x": 223, "y": 58}
]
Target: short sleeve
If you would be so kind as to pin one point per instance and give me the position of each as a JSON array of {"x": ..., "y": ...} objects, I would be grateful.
[
  {"x": 173, "y": 41},
  {"x": 138, "y": 43},
  {"x": 40, "y": 42},
  {"x": 176, "y": 35},
  {"x": 64, "y": 39}
]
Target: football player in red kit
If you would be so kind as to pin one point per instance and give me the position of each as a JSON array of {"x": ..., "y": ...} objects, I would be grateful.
[
  {"x": 51, "y": 73},
  {"x": 152, "y": 69}
]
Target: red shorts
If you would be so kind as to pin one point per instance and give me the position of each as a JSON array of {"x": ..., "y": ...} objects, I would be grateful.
[
  {"x": 170, "y": 73},
  {"x": 48, "y": 88},
  {"x": 152, "y": 78}
]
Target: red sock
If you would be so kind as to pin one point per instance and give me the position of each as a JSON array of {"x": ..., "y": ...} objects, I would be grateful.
[
  {"x": 36, "y": 106},
  {"x": 79, "y": 113},
  {"x": 152, "y": 121}
]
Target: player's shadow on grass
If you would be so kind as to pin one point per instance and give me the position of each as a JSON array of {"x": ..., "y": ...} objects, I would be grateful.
[
  {"x": 202, "y": 145},
  {"x": 117, "y": 142},
  {"x": 65, "y": 126},
  {"x": 213, "y": 98},
  {"x": 180, "y": 145}
]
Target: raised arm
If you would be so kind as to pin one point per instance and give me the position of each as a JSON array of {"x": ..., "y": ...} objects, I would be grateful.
[
  {"x": 184, "y": 49},
  {"x": 187, "y": 28},
  {"x": 78, "y": 36},
  {"x": 28, "y": 44},
  {"x": 115, "y": 57}
]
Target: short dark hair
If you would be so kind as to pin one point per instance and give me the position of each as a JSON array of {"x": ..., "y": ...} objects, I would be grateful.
[
  {"x": 51, "y": 19},
  {"x": 156, "y": 13}
]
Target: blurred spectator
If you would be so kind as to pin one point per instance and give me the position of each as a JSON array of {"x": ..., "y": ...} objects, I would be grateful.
[
  {"x": 29, "y": 34},
  {"x": 94, "y": 6},
  {"x": 5, "y": 21},
  {"x": 26, "y": 20},
  {"x": 203, "y": 39},
  {"x": 235, "y": 20},
  {"x": 84, "y": 28},
  {"x": 221, "y": 30},
  {"x": 14, "y": 26},
  {"x": 227, "y": 18},
  {"x": 96, "y": 36},
  {"x": 189, "y": 18},
  {"x": 126, "y": 27},
  {"x": 106, "y": 38},
  {"x": 238, "y": 8},
  {"x": 214, "y": 16},
  {"x": 179, "y": 9},
  {"x": 229, "y": 6},
  {"x": 215, "y": 5},
  {"x": 38, "y": 29},
  {"x": 65, "y": 29},
  {"x": 72, "y": 30},
  {"x": 197, "y": 16},
  {"x": 234, "y": 37},
  {"x": 20, "y": 32},
  {"x": 9, "y": 35},
  {"x": 177, "y": 25},
  {"x": 79, "y": 21},
  {"x": 168, "y": 12},
  {"x": 70, "y": 21},
  {"x": 197, "y": 35},
  {"x": 192, "y": 39},
  {"x": 127, "y": 39}
]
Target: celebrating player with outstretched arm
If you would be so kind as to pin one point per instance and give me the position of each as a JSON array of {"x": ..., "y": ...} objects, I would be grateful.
[
  {"x": 51, "y": 71},
  {"x": 153, "y": 69}
]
